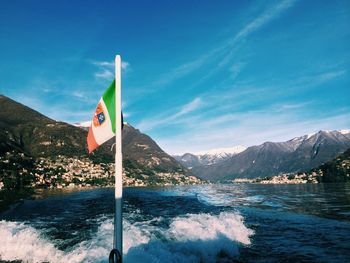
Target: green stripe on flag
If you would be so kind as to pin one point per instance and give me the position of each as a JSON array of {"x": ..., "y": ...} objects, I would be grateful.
[{"x": 109, "y": 99}]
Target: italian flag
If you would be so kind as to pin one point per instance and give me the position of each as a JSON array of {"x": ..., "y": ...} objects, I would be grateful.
[{"x": 103, "y": 122}]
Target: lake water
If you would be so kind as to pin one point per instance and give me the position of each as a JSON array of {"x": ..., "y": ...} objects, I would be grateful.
[{"x": 206, "y": 223}]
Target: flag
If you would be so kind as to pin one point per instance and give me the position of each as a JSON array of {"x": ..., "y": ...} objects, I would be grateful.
[{"x": 103, "y": 122}]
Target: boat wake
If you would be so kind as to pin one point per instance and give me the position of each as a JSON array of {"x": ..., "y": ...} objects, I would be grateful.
[{"x": 188, "y": 238}]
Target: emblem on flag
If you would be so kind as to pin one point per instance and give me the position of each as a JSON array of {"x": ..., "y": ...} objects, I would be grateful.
[
  {"x": 103, "y": 121},
  {"x": 99, "y": 116}
]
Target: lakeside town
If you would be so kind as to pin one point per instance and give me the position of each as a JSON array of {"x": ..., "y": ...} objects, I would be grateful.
[
  {"x": 285, "y": 178},
  {"x": 69, "y": 172}
]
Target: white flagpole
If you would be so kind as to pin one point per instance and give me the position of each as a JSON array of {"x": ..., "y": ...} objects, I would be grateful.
[{"x": 118, "y": 219}]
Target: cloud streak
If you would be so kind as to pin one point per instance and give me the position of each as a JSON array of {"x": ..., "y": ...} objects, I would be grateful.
[
  {"x": 226, "y": 51},
  {"x": 105, "y": 74},
  {"x": 170, "y": 117},
  {"x": 105, "y": 69},
  {"x": 230, "y": 49},
  {"x": 263, "y": 19}
]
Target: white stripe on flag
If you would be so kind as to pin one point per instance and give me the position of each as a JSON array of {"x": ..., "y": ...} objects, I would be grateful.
[{"x": 103, "y": 132}]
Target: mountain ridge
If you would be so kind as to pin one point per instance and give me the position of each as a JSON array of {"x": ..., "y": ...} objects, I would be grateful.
[
  {"x": 209, "y": 157},
  {"x": 270, "y": 158}
]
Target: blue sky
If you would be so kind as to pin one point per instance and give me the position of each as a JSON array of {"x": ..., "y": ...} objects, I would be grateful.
[{"x": 197, "y": 75}]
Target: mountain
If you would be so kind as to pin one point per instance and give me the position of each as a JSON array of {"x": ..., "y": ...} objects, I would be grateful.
[
  {"x": 190, "y": 160},
  {"x": 271, "y": 158},
  {"x": 140, "y": 148},
  {"x": 25, "y": 130},
  {"x": 35, "y": 134}
]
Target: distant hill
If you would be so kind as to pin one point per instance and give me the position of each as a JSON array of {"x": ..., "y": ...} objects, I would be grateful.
[
  {"x": 26, "y": 130},
  {"x": 271, "y": 158}
]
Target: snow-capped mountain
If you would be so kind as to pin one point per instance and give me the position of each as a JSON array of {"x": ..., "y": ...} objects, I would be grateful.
[
  {"x": 209, "y": 157},
  {"x": 270, "y": 158},
  {"x": 222, "y": 151},
  {"x": 84, "y": 124}
]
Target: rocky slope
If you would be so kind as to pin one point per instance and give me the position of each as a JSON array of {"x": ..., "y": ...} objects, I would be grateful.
[
  {"x": 26, "y": 131},
  {"x": 31, "y": 132}
]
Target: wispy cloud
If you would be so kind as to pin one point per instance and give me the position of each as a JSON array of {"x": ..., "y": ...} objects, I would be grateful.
[
  {"x": 103, "y": 64},
  {"x": 105, "y": 74},
  {"x": 236, "y": 68},
  {"x": 263, "y": 19},
  {"x": 232, "y": 46},
  {"x": 292, "y": 106},
  {"x": 180, "y": 71},
  {"x": 308, "y": 81},
  {"x": 327, "y": 76},
  {"x": 171, "y": 116},
  {"x": 125, "y": 65},
  {"x": 193, "y": 105},
  {"x": 226, "y": 51},
  {"x": 126, "y": 114},
  {"x": 279, "y": 88},
  {"x": 105, "y": 69},
  {"x": 110, "y": 64},
  {"x": 78, "y": 94}
]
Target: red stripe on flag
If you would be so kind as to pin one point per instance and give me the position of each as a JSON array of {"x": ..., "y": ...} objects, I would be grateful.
[{"x": 92, "y": 144}]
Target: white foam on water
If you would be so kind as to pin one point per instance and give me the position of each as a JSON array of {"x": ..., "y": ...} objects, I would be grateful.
[
  {"x": 195, "y": 238},
  {"x": 189, "y": 238},
  {"x": 22, "y": 242},
  {"x": 208, "y": 227}
]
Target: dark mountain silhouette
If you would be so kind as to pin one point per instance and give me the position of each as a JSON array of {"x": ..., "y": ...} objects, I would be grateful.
[
  {"x": 25, "y": 130},
  {"x": 337, "y": 170}
]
